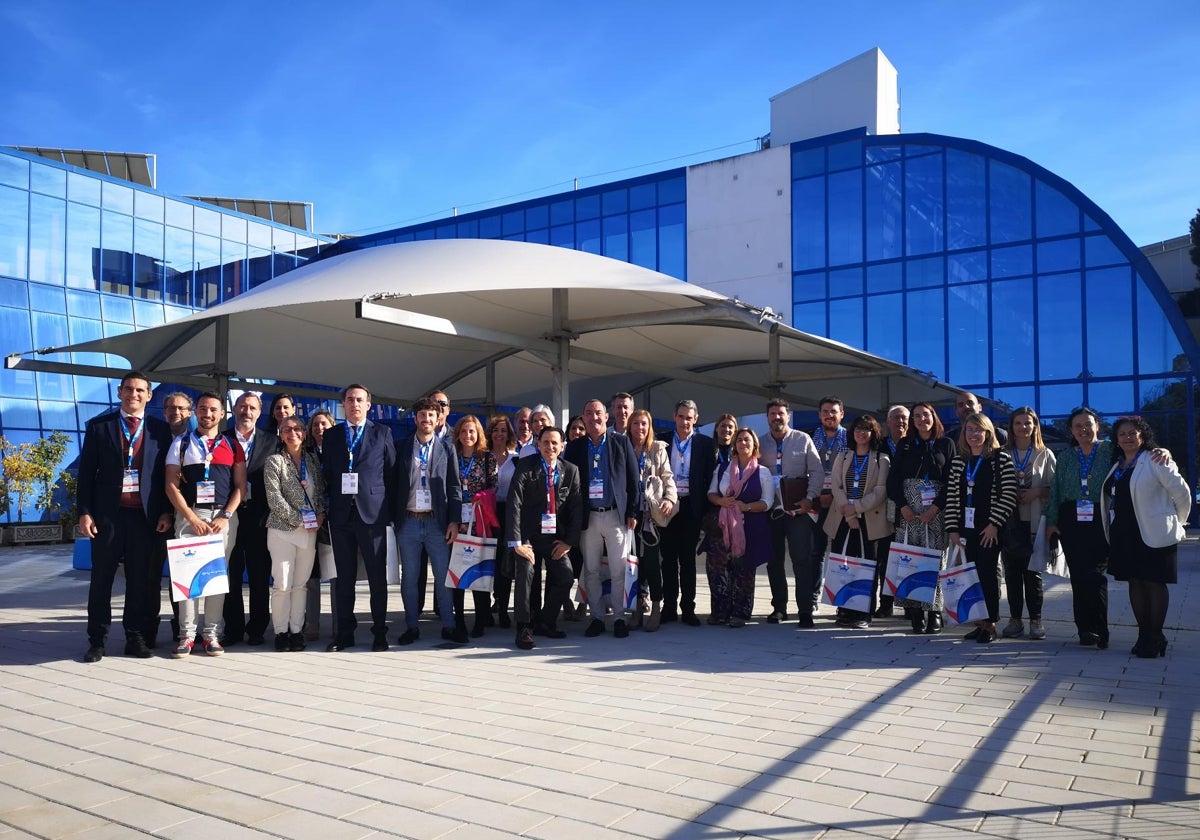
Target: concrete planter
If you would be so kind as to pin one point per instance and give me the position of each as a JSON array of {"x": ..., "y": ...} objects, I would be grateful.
[{"x": 37, "y": 532}]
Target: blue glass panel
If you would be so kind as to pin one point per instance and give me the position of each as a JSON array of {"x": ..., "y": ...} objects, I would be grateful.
[
  {"x": 83, "y": 304},
  {"x": 809, "y": 318},
  {"x": 18, "y": 337},
  {"x": 512, "y": 222},
  {"x": 643, "y": 238},
  {"x": 148, "y": 259},
  {"x": 57, "y": 415},
  {"x": 537, "y": 216},
  {"x": 1010, "y": 203},
  {"x": 968, "y": 333},
  {"x": 14, "y": 231},
  {"x": 47, "y": 239},
  {"x": 176, "y": 285},
  {"x": 116, "y": 310},
  {"x": 207, "y": 221},
  {"x": 1100, "y": 250},
  {"x": 1056, "y": 214},
  {"x": 48, "y": 180},
  {"x": 967, "y": 268},
  {"x": 427, "y": 234},
  {"x": 258, "y": 235},
  {"x": 1016, "y": 397},
  {"x": 1059, "y": 400},
  {"x": 14, "y": 293},
  {"x": 846, "y": 321},
  {"x": 1060, "y": 327},
  {"x": 116, "y": 253},
  {"x": 177, "y": 264},
  {"x": 845, "y": 155},
  {"x": 18, "y": 414},
  {"x": 83, "y": 189},
  {"x": 1013, "y": 261},
  {"x": 615, "y": 201},
  {"x": 926, "y": 272},
  {"x": 587, "y": 207},
  {"x": 563, "y": 236},
  {"x": 81, "y": 330},
  {"x": 562, "y": 212},
  {"x": 806, "y": 162},
  {"x": 233, "y": 268},
  {"x": 402, "y": 237},
  {"x": 807, "y": 287},
  {"x": 966, "y": 205},
  {"x": 672, "y": 190},
  {"x": 923, "y": 182},
  {"x": 207, "y": 279},
  {"x": 880, "y": 154},
  {"x": 587, "y": 236},
  {"x": 1158, "y": 348},
  {"x": 47, "y": 299},
  {"x": 1110, "y": 322},
  {"x": 641, "y": 196},
  {"x": 808, "y": 224},
  {"x": 14, "y": 171},
  {"x": 117, "y": 197},
  {"x": 50, "y": 330},
  {"x": 888, "y": 277},
  {"x": 179, "y": 214},
  {"x": 54, "y": 386},
  {"x": 541, "y": 237},
  {"x": 1012, "y": 331},
  {"x": 885, "y": 212},
  {"x": 1156, "y": 394},
  {"x": 927, "y": 332},
  {"x": 90, "y": 388},
  {"x": 672, "y": 240},
  {"x": 447, "y": 231},
  {"x": 1058, "y": 255},
  {"x": 885, "y": 325},
  {"x": 233, "y": 229},
  {"x": 148, "y": 314},
  {"x": 848, "y": 281},
  {"x": 1090, "y": 224},
  {"x": 83, "y": 247},
  {"x": 489, "y": 227},
  {"x": 845, "y": 217},
  {"x": 1111, "y": 398},
  {"x": 149, "y": 206},
  {"x": 468, "y": 229},
  {"x": 616, "y": 237}
]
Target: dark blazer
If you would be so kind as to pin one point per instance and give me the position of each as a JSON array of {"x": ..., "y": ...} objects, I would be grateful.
[
  {"x": 375, "y": 463},
  {"x": 445, "y": 483},
  {"x": 266, "y": 444},
  {"x": 102, "y": 467},
  {"x": 622, "y": 469},
  {"x": 527, "y": 502},
  {"x": 916, "y": 459},
  {"x": 700, "y": 473}
]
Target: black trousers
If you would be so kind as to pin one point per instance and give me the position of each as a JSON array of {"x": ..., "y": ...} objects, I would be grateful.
[
  {"x": 677, "y": 558},
  {"x": 1087, "y": 560},
  {"x": 558, "y": 585},
  {"x": 987, "y": 566},
  {"x": 792, "y": 536},
  {"x": 129, "y": 539},
  {"x": 250, "y": 559},
  {"x": 371, "y": 540}
]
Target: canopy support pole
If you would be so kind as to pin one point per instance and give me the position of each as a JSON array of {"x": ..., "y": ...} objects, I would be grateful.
[{"x": 560, "y": 369}]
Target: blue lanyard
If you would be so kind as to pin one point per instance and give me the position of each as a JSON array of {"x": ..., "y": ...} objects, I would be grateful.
[
  {"x": 1085, "y": 467},
  {"x": 208, "y": 450},
  {"x": 891, "y": 445},
  {"x": 642, "y": 463},
  {"x": 595, "y": 453},
  {"x": 131, "y": 440},
  {"x": 858, "y": 470},
  {"x": 352, "y": 439},
  {"x": 1119, "y": 472},
  {"x": 303, "y": 471},
  {"x": 829, "y": 449},
  {"x": 969, "y": 472},
  {"x": 723, "y": 457},
  {"x": 551, "y": 480},
  {"x": 683, "y": 451},
  {"x": 466, "y": 470},
  {"x": 1023, "y": 462},
  {"x": 248, "y": 448},
  {"x": 778, "y": 457},
  {"x": 423, "y": 456}
]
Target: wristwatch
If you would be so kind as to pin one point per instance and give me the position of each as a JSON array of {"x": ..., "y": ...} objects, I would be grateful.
[{"x": 225, "y": 514}]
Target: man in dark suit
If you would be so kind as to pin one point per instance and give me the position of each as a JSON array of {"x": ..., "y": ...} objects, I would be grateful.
[
  {"x": 250, "y": 557},
  {"x": 358, "y": 458},
  {"x": 543, "y": 520},
  {"x": 122, "y": 505},
  {"x": 608, "y": 467},
  {"x": 427, "y": 499},
  {"x": 693, "y": 460}
]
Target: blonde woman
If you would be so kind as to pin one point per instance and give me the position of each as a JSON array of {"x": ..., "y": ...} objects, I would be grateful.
[
  {"x": 1035, "y": 466},
  {"x": 653, "y": 462}
]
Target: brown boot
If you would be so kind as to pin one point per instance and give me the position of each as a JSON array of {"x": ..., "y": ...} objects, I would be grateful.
[
  {"x": 635, "y": 619},
  {"x": 655, "y": 618}
]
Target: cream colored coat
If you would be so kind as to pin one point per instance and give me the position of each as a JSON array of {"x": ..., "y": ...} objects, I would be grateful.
[{"x": 873, "y": 504}]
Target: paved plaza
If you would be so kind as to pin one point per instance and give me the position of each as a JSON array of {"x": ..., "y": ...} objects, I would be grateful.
[{"x": 708, "y": 732}]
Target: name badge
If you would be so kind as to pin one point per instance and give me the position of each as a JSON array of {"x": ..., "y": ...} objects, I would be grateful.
[
  {"x": 969, "y": 518},
  {"x": 828, "y": 483},
  {"x": 1085, "y": 511},
  {"x": 424, "y": 499},
  {"x": 349, "y": 484},
  {"x": 681, "y": 484},
  {"x": 206, "y": 492},
  {"x": 308, "y": 518},
  {"x": 130, "y": 482},
  {"x": 596, "y": 489},
  {"x": 928, "y": 495},
  {"x": 549, "y": 523},
  {"x": 468, "y": 513}
]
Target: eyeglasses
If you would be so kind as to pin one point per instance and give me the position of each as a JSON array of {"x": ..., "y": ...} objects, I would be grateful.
[
  {"x": 442, "y": 403},
  {"x": 974, "y": 432},
  {"x": 291, "y": 430}
]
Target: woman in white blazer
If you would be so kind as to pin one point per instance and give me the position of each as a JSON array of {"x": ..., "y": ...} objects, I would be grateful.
[{"x": 1143, "y": 509}]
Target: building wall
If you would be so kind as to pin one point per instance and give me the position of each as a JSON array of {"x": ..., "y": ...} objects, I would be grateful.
[{"x": 863, "y": 92}]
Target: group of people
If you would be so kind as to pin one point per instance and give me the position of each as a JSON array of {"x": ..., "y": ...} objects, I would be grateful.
[{"x": 577, "y": 505}]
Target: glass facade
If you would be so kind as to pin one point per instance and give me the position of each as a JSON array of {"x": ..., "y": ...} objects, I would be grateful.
[{"x": 84, "y": 256}]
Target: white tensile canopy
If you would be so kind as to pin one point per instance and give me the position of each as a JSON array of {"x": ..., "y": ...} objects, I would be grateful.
[{"x": 506, "y": 323}]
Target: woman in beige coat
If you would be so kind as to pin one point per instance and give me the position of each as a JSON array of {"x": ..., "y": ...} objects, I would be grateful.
[
  {"x": 858, "y": 515},
  {"x": 654, "y": 470}
]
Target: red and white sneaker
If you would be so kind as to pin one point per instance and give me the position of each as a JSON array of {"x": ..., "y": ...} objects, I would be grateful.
[
  {"x": 213, "y": 648},
  {"x": 183, "y": 649}
]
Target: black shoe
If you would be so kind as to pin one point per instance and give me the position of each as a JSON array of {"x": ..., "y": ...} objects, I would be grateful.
[
  {"x": 934, "y": 625},
  {"x": 620, "y": 631},
  {"x": 540, "y": 629},
  {"x": 918, "y": 620},
  {"x": 669, "y": 615},
  {"x": 860, "y": 624},
  {"x": 1102, "y": 641},
  {"x": 380, "y": 644},
  {"x": 883, "y": 611},
  {"x": 596, "y": 628},
  {"x": 458, "y": 635},
  {"x": 804, "y": 622},
  {"x": 338, "y": 645},
  {"x": 973, "y": 636},
  {"x": 230, "y": 641},
  {"x": 94, "y": 653},
  {"x": 297, "y": 642},
  {"x": 1088, "y": 639},
  {"x": 255, "y": 640},
  {"x": 282, "y": 642},
  {"x": 776, "y": 617},
  {"x": 477, "y": 629},
  {"x": 986, "y": 636},
  {"x": 137, "y": 647},
  {"x": 525, "y": 638},
  {"x": 503, "y": 620},
  {"x": 408, "y": 637},
  {"x": 689, "y": 618}
]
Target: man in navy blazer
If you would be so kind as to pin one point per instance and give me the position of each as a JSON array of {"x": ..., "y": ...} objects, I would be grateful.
[
  {"x": 693, "y": 460},
  {"x": 428, "y": 509},
  {"x": 122, "y": 504},
  {"x": 608, "y": 473},
  {"x": 359, "y": 457}
]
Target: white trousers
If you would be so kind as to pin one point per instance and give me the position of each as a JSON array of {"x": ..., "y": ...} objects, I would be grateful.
[
  {"x": 604, "y": 530},
  {"x": 292, "y": 556},
  {"x": 214, "y": 605}
]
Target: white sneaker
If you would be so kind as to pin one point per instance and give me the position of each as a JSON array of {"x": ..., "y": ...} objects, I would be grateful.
[
  {"x": 1013, "y": 629},
  {"x": 1036, "y": 630}
]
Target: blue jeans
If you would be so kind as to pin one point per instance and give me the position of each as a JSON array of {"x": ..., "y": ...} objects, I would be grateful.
[{"x": 414, "y": 535}]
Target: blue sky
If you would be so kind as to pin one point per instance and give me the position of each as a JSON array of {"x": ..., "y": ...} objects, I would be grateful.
[{"x": 388, "y": 113}]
